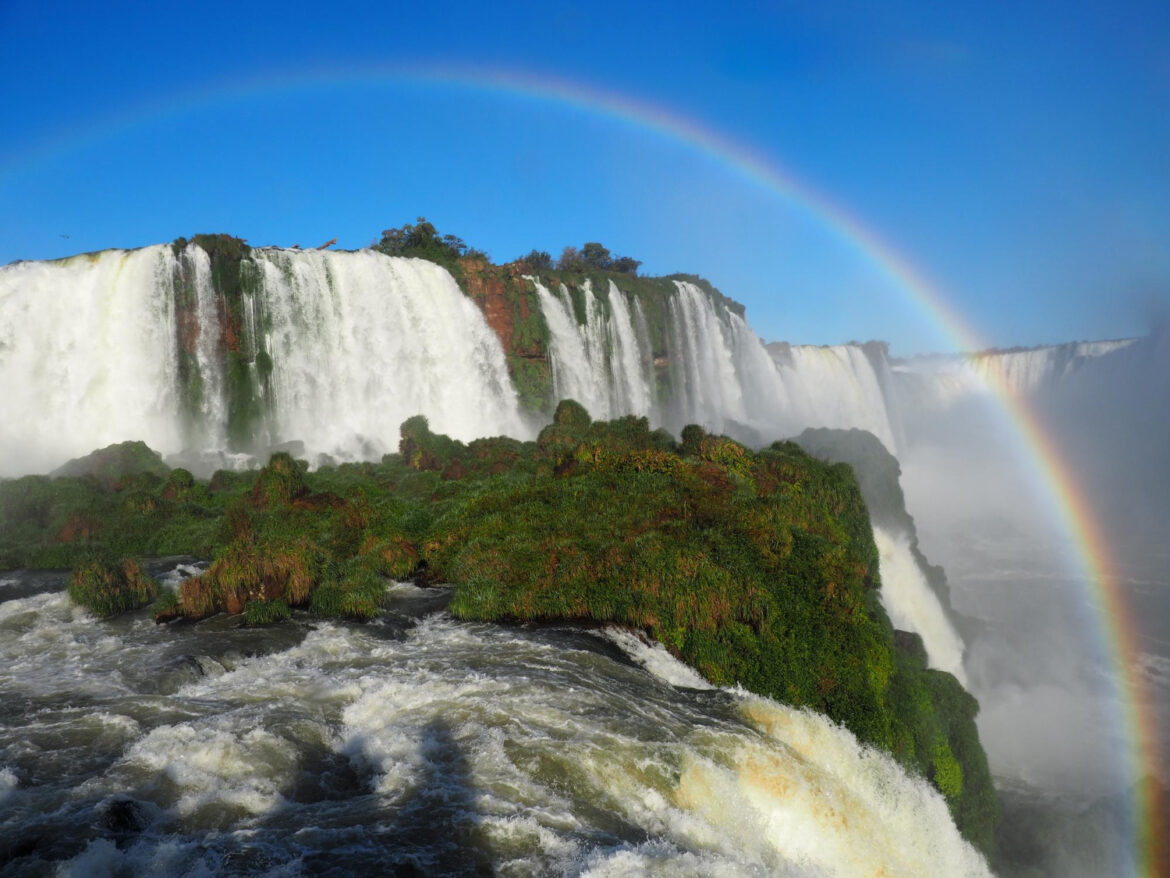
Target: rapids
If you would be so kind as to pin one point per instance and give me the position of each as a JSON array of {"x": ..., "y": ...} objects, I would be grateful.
[{"x": 421, "y": 745}]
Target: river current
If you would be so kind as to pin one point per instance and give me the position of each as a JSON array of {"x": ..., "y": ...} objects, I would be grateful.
[{"x": 419, "y": 745}]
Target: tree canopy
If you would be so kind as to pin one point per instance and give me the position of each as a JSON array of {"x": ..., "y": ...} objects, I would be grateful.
[{"x": 422, "y": 239}]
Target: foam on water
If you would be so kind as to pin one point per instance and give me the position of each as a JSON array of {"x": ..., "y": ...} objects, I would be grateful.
[
  {"x": 655, "y": 659},
  {"x": 452, "y": 747}
]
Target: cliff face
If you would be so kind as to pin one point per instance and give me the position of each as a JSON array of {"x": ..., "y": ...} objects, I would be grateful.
[{"x": 509, "y": 305}]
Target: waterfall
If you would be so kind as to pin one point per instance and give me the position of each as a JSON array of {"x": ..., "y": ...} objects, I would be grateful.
[
  {"x": 192, "y": 279},
  {"x": 602, "y": 361},
  {"x": 718, "y": 372},
  {"x": 938, "y": 382},
  {"x": 912, "y": 604},
  {"x": 332, "y": 349},
  {"x": 361, "y": 341},
  {"x": 836, "y": 386},
  {"x": 634, "y": 380},
  {"x": 87, "y": 357}
]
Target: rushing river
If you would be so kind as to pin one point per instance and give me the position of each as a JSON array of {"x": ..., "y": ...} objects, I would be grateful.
[{"x": 419, "y": 745}]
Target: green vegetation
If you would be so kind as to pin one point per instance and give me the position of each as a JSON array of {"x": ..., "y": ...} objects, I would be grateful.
[
  {"x": 422, "y": 240},
  {"x": 537, "y": 260},
  {"x": 756, "y": 568},
  {"x": 107, "y": 588},
  {"x": 593, "y": 256},
  {"x": 235, "y": 278},
  {"x": 879, "y": 475},
  {"x": 935, "y": 734}
]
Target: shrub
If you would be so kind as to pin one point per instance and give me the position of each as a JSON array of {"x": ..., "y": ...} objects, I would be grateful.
[
  {"x": 280, "y": 482},
  {"x": 107, "y": 588},
  {"x": 266, "y": 612}
]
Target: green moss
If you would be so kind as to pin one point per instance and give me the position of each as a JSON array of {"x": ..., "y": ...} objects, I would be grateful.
[{"x": 948, "y": 774}]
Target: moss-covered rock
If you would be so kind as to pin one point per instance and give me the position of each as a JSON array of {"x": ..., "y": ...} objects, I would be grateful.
[{"x": 116, "y": 463}]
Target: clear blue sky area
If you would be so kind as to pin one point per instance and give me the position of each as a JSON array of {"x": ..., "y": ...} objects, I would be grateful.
[{"x": 1017, "y": 155}]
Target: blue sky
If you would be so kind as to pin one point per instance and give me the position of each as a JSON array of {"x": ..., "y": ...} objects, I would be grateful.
[{"x": 1018, "y": 157}]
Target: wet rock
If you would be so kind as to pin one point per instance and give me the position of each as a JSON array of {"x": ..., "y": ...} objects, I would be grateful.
[{"x": 122, "y": 816}]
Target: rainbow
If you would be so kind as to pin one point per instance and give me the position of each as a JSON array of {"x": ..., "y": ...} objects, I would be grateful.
[{"x": 1069, "y": 504}]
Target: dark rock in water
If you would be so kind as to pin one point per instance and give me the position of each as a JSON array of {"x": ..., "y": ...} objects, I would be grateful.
[
  {"x": 20, "y": 848},
  {"x": 178, "y": 672},
  {"x": 124, "y": 816}
]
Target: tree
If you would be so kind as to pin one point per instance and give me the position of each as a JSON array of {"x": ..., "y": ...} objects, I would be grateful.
[
  {"x": 570, "y": 260},
  {"x": 538, "y": 260},
  {"x": 626, "y": 265},
  {"x": 596, "y": 256},
  {"x": 422, "y": 239}
]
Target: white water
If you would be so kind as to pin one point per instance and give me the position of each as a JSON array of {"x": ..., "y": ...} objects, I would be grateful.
[
  {"x": 721, "y": 375},
  {"x": 445, "y": 745},
  {"x": 836, "y": 386},
  {"x": 361, "y": 341},
  {"x": 87, "y": 357},
  {"x": 939, "y": 382},
  {"x": 211, "y": 425},
  {"x": 602, "y": 363},
  {"x": 912, "y": 604}
]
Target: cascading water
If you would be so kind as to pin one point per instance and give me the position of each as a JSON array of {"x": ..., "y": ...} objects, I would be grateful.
[
  {"x": 138, "y": 344},
  {"x": 836, "y": 386},
  {"x": 192, "y": 275},
  {"x": 938, "y": 382},
  {"x": 713, "y": 371},
  {"x": 720, "y": 374},
  {"x": 362, "y": 341},
  {"x": 87, "y": 357},
  {"x": 912, "y": 604},
  {"x": 603, "y": 363}
]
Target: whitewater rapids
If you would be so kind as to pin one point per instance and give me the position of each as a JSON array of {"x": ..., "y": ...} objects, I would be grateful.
[{"x": 421, "y": 743}]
